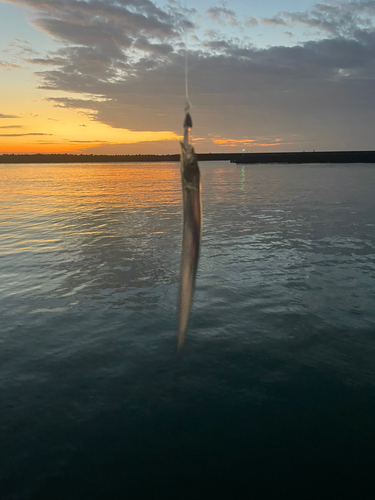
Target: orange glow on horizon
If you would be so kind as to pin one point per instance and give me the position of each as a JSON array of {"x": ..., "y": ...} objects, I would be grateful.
[
  {"x": 27, "y": 148},
  {"x": 246, "y": 142},
  {"x": 232, "y": 142},
  {"x": 25, "y": 144},
  {"x": 71, "y": 147},
  {"x": 34, "y": 125}
]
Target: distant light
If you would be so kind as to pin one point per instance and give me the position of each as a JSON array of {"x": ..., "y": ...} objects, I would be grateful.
[{"x": 243, "y": 150}]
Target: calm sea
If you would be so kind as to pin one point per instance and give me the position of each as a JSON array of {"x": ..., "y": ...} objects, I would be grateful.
[{"x": 273, "y": 394}]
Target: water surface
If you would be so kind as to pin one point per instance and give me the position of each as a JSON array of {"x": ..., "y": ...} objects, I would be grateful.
[{"x": 273, "y": 393}]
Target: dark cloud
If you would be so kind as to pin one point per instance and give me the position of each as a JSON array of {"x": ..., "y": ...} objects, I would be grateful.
[
  {"x": 61, "y": 18},
  {"x": 219, "y": 45},
  {"x": 341, "y": 18},
  {"x": 106, "y": 40},
  {"x": 95, "y": 33},
  {"x": 100, "y": 62},
  {"x": 142, "y": 43},
  {"x": 8, "y": 116},
  {"x": 11, "y": 126},
  {"x": 321, "y": 92},
  {"x": 47, "y": 61}
]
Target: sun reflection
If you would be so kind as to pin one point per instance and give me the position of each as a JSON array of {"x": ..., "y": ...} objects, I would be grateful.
[{"x": 90, "y": 187}]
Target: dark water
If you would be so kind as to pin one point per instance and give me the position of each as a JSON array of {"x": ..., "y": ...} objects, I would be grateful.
[{"x": 273, "y": 394}]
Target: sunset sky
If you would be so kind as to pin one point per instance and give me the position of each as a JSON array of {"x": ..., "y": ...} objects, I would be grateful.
[{"x": 107, "y": 76}]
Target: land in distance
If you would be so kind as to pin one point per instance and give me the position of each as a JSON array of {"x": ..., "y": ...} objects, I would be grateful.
[{"x": 263, "y": 158}]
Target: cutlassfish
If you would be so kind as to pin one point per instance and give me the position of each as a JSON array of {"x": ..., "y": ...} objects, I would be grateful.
[{"x": 192, "y": 228}]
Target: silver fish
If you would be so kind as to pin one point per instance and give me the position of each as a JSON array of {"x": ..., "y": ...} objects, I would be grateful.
[{"x": 192, "y": 229}]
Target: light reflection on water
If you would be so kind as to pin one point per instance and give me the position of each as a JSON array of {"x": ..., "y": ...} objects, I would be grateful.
[
  {"x": 89, "y": 263},
  {"x": 279, "y": 242}
]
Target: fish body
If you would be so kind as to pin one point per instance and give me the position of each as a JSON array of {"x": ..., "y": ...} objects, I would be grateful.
[{"x": 191, "y": 235}]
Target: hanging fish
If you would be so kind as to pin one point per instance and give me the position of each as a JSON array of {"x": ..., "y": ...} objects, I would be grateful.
[{"x": 192, "y": 228}]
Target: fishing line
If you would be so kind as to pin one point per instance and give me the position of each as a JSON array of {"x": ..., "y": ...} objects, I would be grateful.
[{"x": 187, "y": 103}]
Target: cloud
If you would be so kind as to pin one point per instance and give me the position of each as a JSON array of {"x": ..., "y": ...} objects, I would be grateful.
[
  {"x": 19, "y": 48},
  {"x": 12, "y": 126},
  {"x": 106, "y": 39},
  {"x": 341, "y": 18},
  {"x": 8, "y": 65},
  {"x": 154, "y": 48},
  {"x": 219, "y": 45},
  {"x": 321, "y": 91},
  {"x": 98, "y": 141},
  {"x": 222, "y": 15},
  {"x": 81, "y": 32},
  {"x": 22, "y": 135},
  {"x": 97, "y": 62},
  {"x": 47, "y": 61},
  {"x": 83, "y": 22},
  {"x": 250, "y": 22},
  {"x": 2, "y": 116},
  {"x": 273, "y": 21}
]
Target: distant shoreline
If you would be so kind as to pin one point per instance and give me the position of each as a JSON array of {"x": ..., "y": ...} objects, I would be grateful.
[{"x": 263, "y": 158}]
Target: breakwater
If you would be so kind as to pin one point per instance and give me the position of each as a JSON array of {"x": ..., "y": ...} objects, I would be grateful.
[{"x": 308, "y": 157}]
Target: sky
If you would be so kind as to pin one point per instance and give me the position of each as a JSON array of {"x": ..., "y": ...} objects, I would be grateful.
[{"x": 107, "y": 76}]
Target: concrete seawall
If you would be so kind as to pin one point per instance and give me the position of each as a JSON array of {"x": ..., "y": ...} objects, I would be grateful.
[{"x": 308, "y": 157}]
